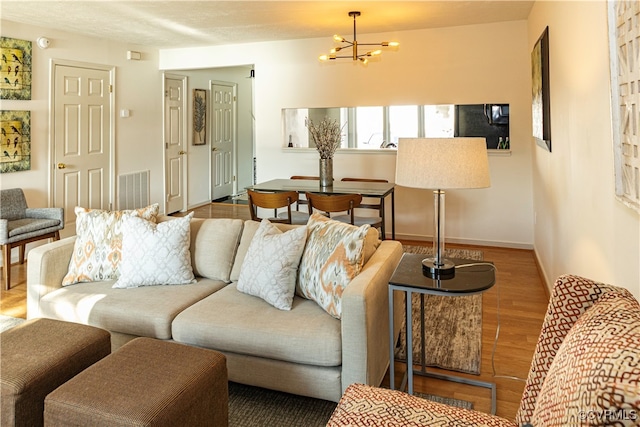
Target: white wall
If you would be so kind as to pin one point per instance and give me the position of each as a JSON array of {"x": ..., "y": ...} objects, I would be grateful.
[
  {"x": 138, "y": 88},
  {"x": 471, "y": 64},
  {"x": 581, "y": 228}
]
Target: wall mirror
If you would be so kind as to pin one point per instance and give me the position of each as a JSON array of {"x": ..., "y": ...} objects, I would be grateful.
[{"x": 380, "y": 127}]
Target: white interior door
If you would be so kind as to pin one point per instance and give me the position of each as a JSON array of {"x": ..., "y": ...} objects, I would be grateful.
[
  {"x": 82, "y": 115},
  {"x": 175, "y": 146},
  {"x": 223, "y": 140}
]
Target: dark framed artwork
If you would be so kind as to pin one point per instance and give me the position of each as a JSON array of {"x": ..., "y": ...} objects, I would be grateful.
[
  {"x": 624, "y": 33},
  {"x": 540, "y": 106},
  {"x": 15, "y": 69},
  {"x": 15, "y": 146},
  {"x": 199, "y": 117}
]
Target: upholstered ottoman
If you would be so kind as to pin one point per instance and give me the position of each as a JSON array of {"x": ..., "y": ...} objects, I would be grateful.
[
  {"x": 38, "y": 356},
  {"x": 146, "y": 382}
]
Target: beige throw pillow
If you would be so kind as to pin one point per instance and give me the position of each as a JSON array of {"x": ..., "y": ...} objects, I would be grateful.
[
  {"x": 270, "y": 267},
  {"x": 97, "y": 251},
  {"x": 333, "y": 256}
]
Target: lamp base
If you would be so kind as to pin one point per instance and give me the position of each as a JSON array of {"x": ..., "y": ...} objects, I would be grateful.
[{"x": 445, "y": 270}]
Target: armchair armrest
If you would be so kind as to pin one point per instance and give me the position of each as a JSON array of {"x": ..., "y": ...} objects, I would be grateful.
[
  {"x": 46, "y": 213},
  {"x": 46, "y": 267},
  {"x": 365, "y": 318}
]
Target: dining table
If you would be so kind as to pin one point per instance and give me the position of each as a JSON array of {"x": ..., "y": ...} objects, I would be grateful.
[{"x": 380, "y": 190}]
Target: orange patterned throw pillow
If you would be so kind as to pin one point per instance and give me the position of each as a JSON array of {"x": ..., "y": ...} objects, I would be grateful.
[
  {"x": 333, "y": 256},
  {"x": 97, "y": 251}
]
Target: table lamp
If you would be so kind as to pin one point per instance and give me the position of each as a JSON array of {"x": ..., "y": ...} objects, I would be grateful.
[{"x": 441, "y": 164}]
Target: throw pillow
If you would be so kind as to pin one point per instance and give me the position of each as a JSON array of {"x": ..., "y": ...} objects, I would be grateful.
[
  {"x": 97, "y": 251},
  {"x": 270, "y": 267},
  {"x": 595, "y": 375},
  {"x": 333, "y": 256},
  {"x": 155, "y": 254}
]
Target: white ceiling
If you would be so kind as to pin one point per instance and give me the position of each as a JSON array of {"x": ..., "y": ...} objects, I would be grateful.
[{"x": 184, "y": 23}]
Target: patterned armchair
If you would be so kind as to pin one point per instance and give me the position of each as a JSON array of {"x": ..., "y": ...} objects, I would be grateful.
[
  {"x": 585, "y": 371},
  {"x": 20, "y": 225}
]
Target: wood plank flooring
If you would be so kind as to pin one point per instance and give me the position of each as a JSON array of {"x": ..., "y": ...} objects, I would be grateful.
[{"x": 519, "y": 299}]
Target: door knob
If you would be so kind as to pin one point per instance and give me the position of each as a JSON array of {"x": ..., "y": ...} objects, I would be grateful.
[
  {"x": 62, "y": 166},
  {"x": 182, "y": 152},
  {"x": 213, "y": 148}
]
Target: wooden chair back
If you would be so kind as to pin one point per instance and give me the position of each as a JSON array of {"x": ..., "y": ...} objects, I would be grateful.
[
  {"x": 369, "y": 204},
  {"x": 275, "y": 201},
  {"x": 329, "y": 203}
]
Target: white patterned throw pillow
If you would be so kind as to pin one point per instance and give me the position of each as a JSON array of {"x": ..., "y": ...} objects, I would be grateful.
[
  {"x": 97, "y": 251},
  {"x": 155, "y": 254},
  {"x": 333, "y": 256},
  {"x": 270, "y": 267}
]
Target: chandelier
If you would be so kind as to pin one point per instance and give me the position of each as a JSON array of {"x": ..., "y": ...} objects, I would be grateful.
[{"x": 355, "y": 55}]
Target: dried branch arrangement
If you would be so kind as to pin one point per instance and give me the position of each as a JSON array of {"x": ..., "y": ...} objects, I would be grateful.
[{"x": 327, "y": 136}]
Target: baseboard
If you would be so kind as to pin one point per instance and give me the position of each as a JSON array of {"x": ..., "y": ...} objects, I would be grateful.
[
  {"x": 471, "y": 242},
  {"x": 542, "y": 273}
]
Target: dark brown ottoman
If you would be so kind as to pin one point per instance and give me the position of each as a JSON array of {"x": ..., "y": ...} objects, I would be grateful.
[
  {"x": 38, "y": 356},
  {"x": 146, "y": 382}
]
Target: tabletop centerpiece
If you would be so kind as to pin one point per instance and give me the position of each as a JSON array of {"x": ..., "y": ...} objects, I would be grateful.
[{"x": 327, "y": 137}]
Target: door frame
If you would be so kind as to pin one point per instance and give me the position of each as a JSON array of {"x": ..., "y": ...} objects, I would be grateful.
[
  {"x": 185, "y": 175},
  {"x": 111, "y": 69},
  {"x": 234, "y": 146}
]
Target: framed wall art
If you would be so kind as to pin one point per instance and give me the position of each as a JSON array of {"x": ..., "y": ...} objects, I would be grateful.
[
  {"x": 199, "y": 117},
  {"x": 624, "y": 33},
  {"x": 15, "y": 146},
  {"x": 540, "y": 106},
  {"x": 15, "y": 69}
]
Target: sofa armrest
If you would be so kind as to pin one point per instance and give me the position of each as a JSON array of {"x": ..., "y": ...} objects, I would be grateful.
[
  {"x": 365, "y": 318},
  {"x": 46, "y": 267}
]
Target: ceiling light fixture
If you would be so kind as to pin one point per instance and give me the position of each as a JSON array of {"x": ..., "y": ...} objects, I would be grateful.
[{"x": 362, "y": 57}]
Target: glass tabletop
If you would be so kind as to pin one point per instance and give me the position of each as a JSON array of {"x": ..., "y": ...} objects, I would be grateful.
[
  {"x": 471, "y": 276},
  {"x": 371, "y": 189}
]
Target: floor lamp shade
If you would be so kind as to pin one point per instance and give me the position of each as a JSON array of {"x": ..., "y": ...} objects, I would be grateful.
[{"x": 439, "y": 164}]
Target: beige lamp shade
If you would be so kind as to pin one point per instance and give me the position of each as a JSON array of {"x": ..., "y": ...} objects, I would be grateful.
[{"x": 442, "y": 163}]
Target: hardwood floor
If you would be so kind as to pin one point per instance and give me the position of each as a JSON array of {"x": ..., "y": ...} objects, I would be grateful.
[{"x": 518, "y": 298}]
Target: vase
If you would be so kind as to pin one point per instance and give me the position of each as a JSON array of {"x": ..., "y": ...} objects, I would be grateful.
[{"x": 326, "y": 172}]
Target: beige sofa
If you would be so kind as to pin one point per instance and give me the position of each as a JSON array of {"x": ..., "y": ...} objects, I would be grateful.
[{"x": 304, "y": 351}]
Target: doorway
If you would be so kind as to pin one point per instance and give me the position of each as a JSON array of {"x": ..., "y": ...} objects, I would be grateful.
[
  {"x": 223, "y": 139},
  {"x": 175, "y": 146},
  {"x": 83, "y": 142}
]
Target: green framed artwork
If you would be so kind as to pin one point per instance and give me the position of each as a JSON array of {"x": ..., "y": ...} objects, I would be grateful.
[
  {"x": 15, "y": 69},
  {"x": 15, "y": 146}
]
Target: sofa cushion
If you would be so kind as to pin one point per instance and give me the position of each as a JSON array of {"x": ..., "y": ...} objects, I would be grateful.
[
  {"x": 371, "y": 243},
  {"x": 333, "y": 256},
  {"x": 155, "y": 254},
  {"x": 230, "y": 321},
  {"x": 214, "y": 243},
  {"x": 97, "y": 250},
  {"x": 596, "y": 371},
  {"x": 270, "y": 268},
  {"x": 145, "y": 311}
]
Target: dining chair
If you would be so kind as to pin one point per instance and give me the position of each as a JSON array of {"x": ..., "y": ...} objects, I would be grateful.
[
  {"x": 374, "y": 221},
  {"x": 335, "y": 203},
  {"x": 275, "y": 201},
  {"x": 301, "y": 216}
]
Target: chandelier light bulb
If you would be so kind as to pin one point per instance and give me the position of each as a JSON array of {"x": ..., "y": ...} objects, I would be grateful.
[{"x": 339, "y": 38}]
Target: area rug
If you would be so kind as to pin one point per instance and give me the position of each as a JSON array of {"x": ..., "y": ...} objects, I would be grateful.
[
  {"x": 453, "y": 325},
  {"x": 258, "y": 407},
  {"x": 8, "y": 322}
]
